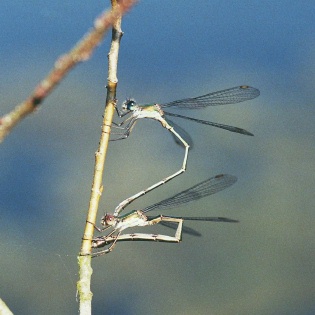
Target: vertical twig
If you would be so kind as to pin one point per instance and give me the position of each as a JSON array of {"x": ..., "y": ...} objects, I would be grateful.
[{"x": 84, "y": 259}]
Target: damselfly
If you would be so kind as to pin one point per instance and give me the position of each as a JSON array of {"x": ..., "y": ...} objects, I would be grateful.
[
  {"x": 138, "y": 217},
  {"x": 156, "y": 111}
]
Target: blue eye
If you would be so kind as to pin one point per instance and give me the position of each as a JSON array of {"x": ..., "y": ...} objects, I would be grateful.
[{"x": 128, "y": 105}]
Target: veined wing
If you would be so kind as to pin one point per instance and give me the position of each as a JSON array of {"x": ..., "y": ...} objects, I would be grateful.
[
  {"x": 203, "y": 189},
  {"x": 229, "y": 96}
]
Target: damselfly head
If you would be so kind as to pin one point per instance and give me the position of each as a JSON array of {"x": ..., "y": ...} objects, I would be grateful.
[
  {"x": 129, "y": 104},
  {"x": 108, "y": 219}
]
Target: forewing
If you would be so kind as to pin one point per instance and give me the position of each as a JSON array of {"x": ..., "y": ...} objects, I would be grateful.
[
  {"x": 229, "y": 96},
  {"x": 203, "y": 189}
]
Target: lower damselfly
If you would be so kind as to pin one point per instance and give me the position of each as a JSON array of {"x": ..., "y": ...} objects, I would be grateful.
[
  {"x": 137, "y": 218},
  {"x": 156, "y": 111}
]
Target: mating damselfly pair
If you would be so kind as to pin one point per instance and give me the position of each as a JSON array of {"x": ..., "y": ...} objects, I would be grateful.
[{"x": 208, "y": 187}]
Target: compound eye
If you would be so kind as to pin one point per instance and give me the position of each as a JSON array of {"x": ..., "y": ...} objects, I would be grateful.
[
  {"x": 128, "y": 104},
  {"x": 109, "y": 219}
]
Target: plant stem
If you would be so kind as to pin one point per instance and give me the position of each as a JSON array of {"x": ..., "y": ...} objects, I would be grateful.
[{"x": 84, "y": 259}]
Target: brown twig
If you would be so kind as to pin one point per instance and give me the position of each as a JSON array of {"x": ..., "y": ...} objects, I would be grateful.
[
  {"x": 81, "y": 52},
  {"x": 84, "y": 259}
]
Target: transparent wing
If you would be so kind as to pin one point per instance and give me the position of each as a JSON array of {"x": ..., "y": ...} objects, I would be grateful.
[
  {"x": 210, "y": 123},
  {"x": 203, "y": 189},
  {"x": 229, "y": 96}
]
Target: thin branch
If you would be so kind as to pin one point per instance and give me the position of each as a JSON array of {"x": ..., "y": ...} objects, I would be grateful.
[
  {"x": 81, "y": 52},
  {"x": 84, "y": 260}
]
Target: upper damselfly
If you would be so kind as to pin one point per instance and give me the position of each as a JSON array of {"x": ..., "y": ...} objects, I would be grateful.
[{"x": 156, "y": 111}]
